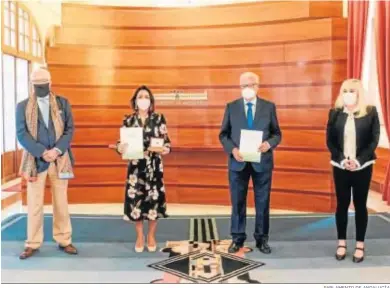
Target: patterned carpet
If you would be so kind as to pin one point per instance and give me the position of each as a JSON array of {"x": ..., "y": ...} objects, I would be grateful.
[{"x": 195, "y": 250}]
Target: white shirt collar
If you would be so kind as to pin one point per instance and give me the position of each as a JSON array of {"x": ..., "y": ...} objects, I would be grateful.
[
  {"x": 43, "y": 98},
  {"x": 253, "y": 101}
]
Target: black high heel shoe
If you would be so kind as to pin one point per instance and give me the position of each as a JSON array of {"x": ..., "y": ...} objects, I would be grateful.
[
  {"x": 338, "y": 256},
  {"x": 357, "y": 259}
]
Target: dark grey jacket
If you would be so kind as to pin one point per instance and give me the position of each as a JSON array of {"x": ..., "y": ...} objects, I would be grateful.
[{"x": 265, "y": 120}]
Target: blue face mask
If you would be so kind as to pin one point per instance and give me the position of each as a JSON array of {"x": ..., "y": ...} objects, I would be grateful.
[{"x": 42, "y": 90}]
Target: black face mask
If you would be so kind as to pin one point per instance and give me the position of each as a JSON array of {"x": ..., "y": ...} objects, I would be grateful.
[{"x": 42, "y": 90}]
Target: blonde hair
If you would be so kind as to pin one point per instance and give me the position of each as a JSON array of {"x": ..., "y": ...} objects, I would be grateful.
[{"x": 356, "y": 85}]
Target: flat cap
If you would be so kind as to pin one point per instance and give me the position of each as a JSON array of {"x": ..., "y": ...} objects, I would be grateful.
[{"x": 40, "y": 76}]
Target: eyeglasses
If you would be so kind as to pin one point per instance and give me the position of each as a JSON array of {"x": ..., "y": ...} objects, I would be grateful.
[{"x": 252, "y": 85}]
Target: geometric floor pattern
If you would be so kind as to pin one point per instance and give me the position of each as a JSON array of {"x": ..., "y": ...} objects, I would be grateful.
[{"x": 195, "y": 250}]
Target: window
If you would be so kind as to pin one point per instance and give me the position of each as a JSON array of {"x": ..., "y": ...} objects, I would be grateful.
[
  {"x": 14, "y": 88},
  {"x": 24, "y": 31},
  {"x": 370, "y": 73},
  {"x": 21, "y": 34},
  {"x": 9, "y": 103},
  {"x": 21, "y": 79},
  {"x": 22, "y": 85},
  {"x": 1, "y": 106},
  {"x": 36, "y": 44},
  {"x": 9, "y": 24}
]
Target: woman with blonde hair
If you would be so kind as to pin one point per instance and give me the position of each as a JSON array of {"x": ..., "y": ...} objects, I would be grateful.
[{"x": 352, "y": 136}]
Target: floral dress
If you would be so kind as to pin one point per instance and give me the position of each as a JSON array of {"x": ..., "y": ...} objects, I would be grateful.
[{"x": 145, "y": 191}]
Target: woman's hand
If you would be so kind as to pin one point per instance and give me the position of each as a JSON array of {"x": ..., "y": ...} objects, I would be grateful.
[
  {"x": 122, "y": 147},
  {"x": 161, "y": 150},
  {"x": 352, "y": 165}
]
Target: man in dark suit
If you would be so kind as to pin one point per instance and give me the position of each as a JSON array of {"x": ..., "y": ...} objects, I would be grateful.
[
  {"x": 44, "y": 125},
  {"x": 252, "y": 113}
]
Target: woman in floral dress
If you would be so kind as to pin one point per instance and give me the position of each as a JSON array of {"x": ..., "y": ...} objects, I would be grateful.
[{"x": 145, "y": 191}]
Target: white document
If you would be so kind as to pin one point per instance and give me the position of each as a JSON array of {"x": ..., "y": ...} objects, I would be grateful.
[
  {"x": 250, "y": 142},
  {"x": 133, "y": 136}
]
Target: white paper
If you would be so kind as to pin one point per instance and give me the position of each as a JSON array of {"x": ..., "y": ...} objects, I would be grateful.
[
  {"x": 250, "y": 142},
  {"x": 133, "y": 136}
]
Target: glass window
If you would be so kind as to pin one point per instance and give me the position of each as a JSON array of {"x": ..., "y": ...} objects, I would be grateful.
[
  {"x": 20, "y": 32},
  {"x": 21, "y": 26},
  {"x": 35, "y": 33},
  {"x": 1, "y": 108},
  {"x": 26, "y": 45},
  {"x": 13, "y": 20},
  {"x": 26, "y": 27},
  {"x": 21, "y": 79},
  {"x": 34, "y": 51},
  {"x": 9, "y": 102},
  {"x": 7, "y": 38},
  {"x": 21, "y": 43},
  {"x": 6, "y": 18},
  {"x": 22, "y": 86},
  {"x": 370, "y": 74},
  {"x": 13, "y": 39}
]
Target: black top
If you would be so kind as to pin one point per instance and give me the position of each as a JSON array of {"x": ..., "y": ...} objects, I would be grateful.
[{"x": 367, "y": 135}]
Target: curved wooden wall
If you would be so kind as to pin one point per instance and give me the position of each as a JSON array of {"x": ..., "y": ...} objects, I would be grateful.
[{"x": 101, "y": 54}]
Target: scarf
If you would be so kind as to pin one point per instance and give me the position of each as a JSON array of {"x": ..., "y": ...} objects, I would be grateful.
[{"x": 28, "y": 167}]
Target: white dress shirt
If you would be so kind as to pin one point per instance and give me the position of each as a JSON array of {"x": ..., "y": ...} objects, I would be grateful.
[
  {"x": 350, "y": 143},
  {"x": 44, "y": 107},
  {"x": 253, "y": 101}
]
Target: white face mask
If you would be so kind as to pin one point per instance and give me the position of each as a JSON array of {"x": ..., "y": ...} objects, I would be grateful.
[
  {"x": 349, "y": 98},
  {"x": 143, "y": 104},
  {"x": 248, "y": 93}
]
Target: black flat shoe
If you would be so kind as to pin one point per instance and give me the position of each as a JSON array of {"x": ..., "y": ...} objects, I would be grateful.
[
  {"x": 357, "y": 259},
  {"x": 234, "y": 248},
  {"x": 341, "y": 257},
  {"x": 263, "y": 246}
]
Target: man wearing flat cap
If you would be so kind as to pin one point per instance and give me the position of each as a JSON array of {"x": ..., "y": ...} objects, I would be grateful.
[{"x": 44, "y": 125}]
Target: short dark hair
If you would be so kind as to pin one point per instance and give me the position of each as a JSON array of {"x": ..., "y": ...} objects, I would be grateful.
[{"x": 133, "y": 100}]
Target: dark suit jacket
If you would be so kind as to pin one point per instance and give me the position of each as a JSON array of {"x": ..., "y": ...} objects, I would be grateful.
[
  {"x": 367, "y": 135},
  {"x": 46, "y": 139},
  {"x": 235, "y": 120}
]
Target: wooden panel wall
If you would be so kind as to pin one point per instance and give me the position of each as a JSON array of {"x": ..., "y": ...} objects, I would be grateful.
[
  {"x": 8, "y": 166},
  {"x": 10, "y": 162},
  {"x": 101, "y": 54},
  {"x": 380, "y": 168}
]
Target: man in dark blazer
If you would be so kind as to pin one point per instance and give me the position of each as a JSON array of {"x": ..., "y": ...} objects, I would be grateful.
[
  {"x": 252, "y": 113},
  {"x": 44, "y": 125}
]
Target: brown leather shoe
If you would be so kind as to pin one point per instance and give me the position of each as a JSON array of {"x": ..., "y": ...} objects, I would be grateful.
[
  {"x": 27, "y": 253},
  {"x": 70, "y": 249}
]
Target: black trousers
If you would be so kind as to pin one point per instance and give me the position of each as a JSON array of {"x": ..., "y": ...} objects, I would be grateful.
[{"x": 359, "y": 183}]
